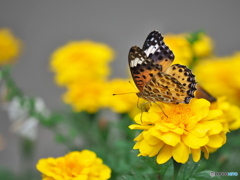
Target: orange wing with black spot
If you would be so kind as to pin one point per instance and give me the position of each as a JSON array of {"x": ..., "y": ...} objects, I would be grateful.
[{"x": 142, "y": 68}]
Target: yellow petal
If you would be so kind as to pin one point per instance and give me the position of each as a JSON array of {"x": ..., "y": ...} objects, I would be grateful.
[
  {"x": 200, "y": 130},
  {"x": 200, "y": 106},
  {"x": 156, "y": 149},
  {"x": 149, "y": 150},
  {"x": 162, "y": 128},
  {"x": 206, "y": 152},
  {"x": 215, "y": 141},
  {"x": 215, "y": 127},
  {"x": 196, "y": 154},
  {"x": 141, "y": 117},
  {"x": 137, "y": 145},
  {"x": 213, "y": 113},
  {"x": 178, "y": 130},
  {"x": 193, "y": 141},
  {"x": 164, "y": 155},
  {"x": 141, "y": 127},
  {"x": 180, "y": 153},
  {"x": 155, "y": 132},
  {"x": 170, "y": 138},
  {"x": 139, "y": 137},
  {"x": 152, "y": 140}
]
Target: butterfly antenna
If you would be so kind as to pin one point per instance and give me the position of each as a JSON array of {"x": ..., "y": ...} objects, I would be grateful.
[
  {"x": 124, "y": 93},
  {"x": 133, "y": 85}
]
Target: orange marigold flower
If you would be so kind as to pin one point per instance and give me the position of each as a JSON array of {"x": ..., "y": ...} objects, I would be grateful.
[
  {"x": 84, "y": 165},
  {"x": 188, "y": 129}
]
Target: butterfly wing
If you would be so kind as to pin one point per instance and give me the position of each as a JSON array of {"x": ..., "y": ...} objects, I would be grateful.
[
  {"x": 185, "y": 77},
  {"x": 162, "y": 87},
  {"x": 156, "y": 50},
  {"x": 142, "y": 68}
]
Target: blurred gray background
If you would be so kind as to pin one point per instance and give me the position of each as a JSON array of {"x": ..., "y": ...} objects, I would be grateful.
[{"x": 45, "y": 25}]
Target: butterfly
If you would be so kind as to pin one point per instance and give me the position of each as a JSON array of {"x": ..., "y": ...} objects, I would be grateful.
[{"x": 155, "y": 79}]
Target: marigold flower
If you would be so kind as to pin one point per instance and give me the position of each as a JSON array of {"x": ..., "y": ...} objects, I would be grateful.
[
  {"x": 79, "y": 60},
  {"x": 221, "y": 76},
  {"x": 188, "y": 129},
  {"x": 124, "y": 103},
  {"x": 181, "y": 48},
  {"x": 9, "y": 47},
  {"x": 85, "y": 96},
  {"x": 230, "y": 112},
  {"x": 84, "y": 165}
]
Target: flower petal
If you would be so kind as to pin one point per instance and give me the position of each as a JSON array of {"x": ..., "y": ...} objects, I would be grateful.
[
  {"x": 215, "y": 127},
  {"x": 180, "y": 153},
  {"x": 213, "y": 114},
  {"x": 164, "y": 155},
  {"x": 193, "y": 141},
  {"x": 215, "y": 141},
  {"x": 206, "y": 152},
  {"x": 136, "y": 126},
  {"x": 152, "y": 140},
  {"x": 200, "y": 130},
  {"x": 149, "y": 150},
  {"x": 170, "y": 138},
  {"x": 196, "y": 154}
]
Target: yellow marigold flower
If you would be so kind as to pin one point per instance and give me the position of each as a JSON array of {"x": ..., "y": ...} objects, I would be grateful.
[
  {"x": 189, "y": 129},
  {"x": 203, "y": 46},
  {"x": 84, "y": 165},
  {"x": 124, "y": 103},
  {"x": 221, "y": 76},
  {"x": 230, "y": 112},
  {"x": 180, "y": 47},
  {"x": 79, "y": 60},
  {"x": 85, "y": 96},
  {"x": 9, "y": 47}
]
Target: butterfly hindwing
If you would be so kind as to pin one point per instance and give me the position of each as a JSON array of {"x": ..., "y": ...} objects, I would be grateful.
[
  {"x": 157, "y": 50},
  {"x": 185, "y": 77},
  {"x": 141, "y": 67},
  {"x": 165, "y": 88}
]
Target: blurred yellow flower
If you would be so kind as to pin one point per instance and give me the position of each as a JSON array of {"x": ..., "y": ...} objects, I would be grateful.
[
  {"x": 188, "y": 129},
  {"x": 84, "y": 165},
  {"x": 230, "y": 112},
  {"x": 85, "y": 96},
  {"x": 124, "y": 103},
  {"x": 221, "y": 76},
  {"x": 181, "y": 48},
  {"x": 203, "y": 46},
  {"x": 81, "y": 60},
  {"x": 10, "y": 47}
]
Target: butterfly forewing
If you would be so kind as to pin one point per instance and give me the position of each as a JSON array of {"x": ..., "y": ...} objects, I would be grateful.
[
  {"x": 157, "y": 50},
  {"x": 142, "y": 68}
]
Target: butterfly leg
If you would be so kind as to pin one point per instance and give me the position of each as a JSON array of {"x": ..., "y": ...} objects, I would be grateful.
[
  {"x": 161, "y": 109},
  {"x": 143, "y": 108}
]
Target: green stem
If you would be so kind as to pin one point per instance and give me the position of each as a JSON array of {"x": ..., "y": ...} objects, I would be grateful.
[{"x": 177, "y": 167}]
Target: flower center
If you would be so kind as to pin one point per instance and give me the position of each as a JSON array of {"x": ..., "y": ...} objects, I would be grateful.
[{"x": 178, "y": 115}]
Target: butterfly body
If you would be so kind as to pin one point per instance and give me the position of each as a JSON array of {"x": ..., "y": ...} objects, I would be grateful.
[{"x": 155, "y": 79}]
